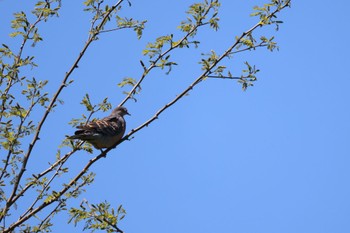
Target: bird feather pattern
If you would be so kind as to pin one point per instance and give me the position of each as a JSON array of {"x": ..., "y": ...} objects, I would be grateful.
[{"x": 103, "y": 133}]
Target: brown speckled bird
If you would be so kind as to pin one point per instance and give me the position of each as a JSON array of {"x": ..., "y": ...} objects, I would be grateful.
[{"x": 103, "y": 133}]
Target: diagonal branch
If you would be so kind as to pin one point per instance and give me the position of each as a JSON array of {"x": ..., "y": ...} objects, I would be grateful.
[{"x": 222, "y": 77}]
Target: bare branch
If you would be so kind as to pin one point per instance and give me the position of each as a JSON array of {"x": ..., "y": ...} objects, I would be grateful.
[
  {"x": 115, "y": 29},
  {"x": 262, "y": 44},
  {"x": 222, "y": 77}
]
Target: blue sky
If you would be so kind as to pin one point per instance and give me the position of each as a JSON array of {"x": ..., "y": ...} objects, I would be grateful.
[{"x": 272, "y": 159}]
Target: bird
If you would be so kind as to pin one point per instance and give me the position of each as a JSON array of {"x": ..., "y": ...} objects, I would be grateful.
[{"x": 103, "y": 133}]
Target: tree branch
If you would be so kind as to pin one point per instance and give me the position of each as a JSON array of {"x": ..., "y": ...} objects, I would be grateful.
[{"x": 223, "y": 77}]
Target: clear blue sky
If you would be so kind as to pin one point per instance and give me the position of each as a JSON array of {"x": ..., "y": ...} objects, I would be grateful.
[{"x": 272, "y": 159}]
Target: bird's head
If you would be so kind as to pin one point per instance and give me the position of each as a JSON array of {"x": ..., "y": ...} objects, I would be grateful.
[{"x": 122, "y": 111}]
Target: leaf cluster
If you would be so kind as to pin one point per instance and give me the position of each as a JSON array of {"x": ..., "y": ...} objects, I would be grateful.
[
  {"x": 248, "y": 77},
  {"x": 266, "y": 12},
  {"x": 198, "y": 15},
  {"x": 43, "y": 11},
  {"x": 103, "y": 13},
  {"x": 99, "y": 216}
]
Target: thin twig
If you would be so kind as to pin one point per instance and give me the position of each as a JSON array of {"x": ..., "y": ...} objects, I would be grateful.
[
  {"x": 262, "y": 44},
  {"x": 115, "y": 29},
  {"x": 223, "y": 77}
]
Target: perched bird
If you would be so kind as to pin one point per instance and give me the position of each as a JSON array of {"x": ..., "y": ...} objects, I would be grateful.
[{"x": 103, "y": 133}]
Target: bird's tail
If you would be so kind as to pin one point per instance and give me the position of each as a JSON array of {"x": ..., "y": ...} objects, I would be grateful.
[
  {"x": 82, "y": 137},
  {"x": 74, "y": 137}
]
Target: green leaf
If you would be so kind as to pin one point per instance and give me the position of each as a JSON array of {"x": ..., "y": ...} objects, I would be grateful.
[{"x": 87, "y": 103}]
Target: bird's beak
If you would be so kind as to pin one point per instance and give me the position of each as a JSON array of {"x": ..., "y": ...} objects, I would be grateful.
[{"x": 128, "y": 114}]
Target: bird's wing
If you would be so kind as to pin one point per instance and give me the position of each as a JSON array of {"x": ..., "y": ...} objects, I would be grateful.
[
  {"x": 112, "y": 117},
  {"x": 101, "y": 127}
]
